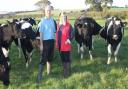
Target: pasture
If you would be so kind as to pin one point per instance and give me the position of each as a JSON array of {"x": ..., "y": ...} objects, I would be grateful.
[{"x": 86, "y": 74}]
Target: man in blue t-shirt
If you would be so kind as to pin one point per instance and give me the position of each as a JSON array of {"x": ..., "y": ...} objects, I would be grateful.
[{"x": 47, "y": 31}]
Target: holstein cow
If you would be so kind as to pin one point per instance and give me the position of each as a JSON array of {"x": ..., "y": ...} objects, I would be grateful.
[
  {"x": 7, "y": 34},
  {"x": 85, "y": 28},
  {"x": 113, "y": 33},
  {"x": 27, "y": 35}
]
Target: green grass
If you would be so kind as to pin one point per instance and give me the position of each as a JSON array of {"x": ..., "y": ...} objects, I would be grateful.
[
  {"x": 86, "y": 74},
  {"x": 119, "y": 9}
]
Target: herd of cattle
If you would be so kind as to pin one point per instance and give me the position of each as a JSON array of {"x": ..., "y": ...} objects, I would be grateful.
[
  {"x": 112, "y": 32},
  {"x": 22, "y": 34}
]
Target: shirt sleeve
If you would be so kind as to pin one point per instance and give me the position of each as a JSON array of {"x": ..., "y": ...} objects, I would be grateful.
[{"x": 41, "y": 27}]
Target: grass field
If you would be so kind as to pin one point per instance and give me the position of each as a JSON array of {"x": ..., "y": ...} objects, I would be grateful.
[
  {"x": 86, "y": 74},
  {"x": 119, "y": 9}
]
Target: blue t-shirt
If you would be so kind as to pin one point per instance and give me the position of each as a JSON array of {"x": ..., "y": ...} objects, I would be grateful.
[{"x": 47, "y": 27}]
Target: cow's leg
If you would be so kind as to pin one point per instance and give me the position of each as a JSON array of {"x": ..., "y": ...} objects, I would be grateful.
[
  {"x": 18, "y": 44},
  {"x": 109, "y": 53},
  {"x": 30, "y": 50},
  {"x": 19, "y": 52},
  {"x": 6, "y": 52},
  {"x": 6, "y": 65},
  {"x": 90, "y": 53},
  {"x": 81, "y": 55},
  {"x": 78, "y": 47},
  {"x": 82, "y": 51},
  {"x": 6, "y": 79},
  {"x": 25, "y": 56},
  {"x": 19, "y": 47},
  {"x": 30, "y": 56},
  {"x": 90, "y": 48},
  {"x": 116, "y": 51},
  {"x": 92, "y": 42}
]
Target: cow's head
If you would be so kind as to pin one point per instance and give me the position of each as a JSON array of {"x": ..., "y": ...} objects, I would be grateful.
[
  {"x": 8, "y": 32},
  {"x": 32, "y": 21},
  {"x": 15, "y": 26},
  {"x": 84, "y": 27},
  {"x": 115, "y": 28},
  {"x": 18, "y": 29}
]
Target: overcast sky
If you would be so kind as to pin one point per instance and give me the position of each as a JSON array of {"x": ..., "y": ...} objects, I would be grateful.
[{"x": 22, "y": 5}]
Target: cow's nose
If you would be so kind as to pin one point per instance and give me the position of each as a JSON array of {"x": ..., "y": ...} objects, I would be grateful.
[{"x": 115, "y": 37}]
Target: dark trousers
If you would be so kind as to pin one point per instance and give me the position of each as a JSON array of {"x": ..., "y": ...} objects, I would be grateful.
[
  {"x": 65, "y": 56},
  {"x": 48, "y": 51}
]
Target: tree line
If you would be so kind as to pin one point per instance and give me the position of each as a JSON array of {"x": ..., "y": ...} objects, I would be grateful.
[{"x": 95, "y": 5}]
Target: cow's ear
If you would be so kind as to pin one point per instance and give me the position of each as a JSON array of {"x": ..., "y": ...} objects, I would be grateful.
[{"x": 124, "y": 24}]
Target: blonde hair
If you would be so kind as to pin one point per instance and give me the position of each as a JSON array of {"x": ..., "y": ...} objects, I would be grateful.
[{"x": 60, "y": 17}]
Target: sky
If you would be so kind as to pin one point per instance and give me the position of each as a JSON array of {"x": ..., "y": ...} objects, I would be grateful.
[{"x": 23, "y": 5}]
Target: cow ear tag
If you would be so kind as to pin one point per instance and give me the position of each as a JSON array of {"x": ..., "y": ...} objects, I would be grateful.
[{"x": 86, "y": 23}]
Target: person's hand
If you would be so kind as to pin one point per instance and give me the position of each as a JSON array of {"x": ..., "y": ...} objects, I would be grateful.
[{"x": 67, "y": 41}]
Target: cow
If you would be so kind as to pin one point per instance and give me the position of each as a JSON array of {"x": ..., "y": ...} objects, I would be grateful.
[
  {"x": 26, "y": 36},
  {"x": 7, "y": 34},
  {"x": 85, "y": 28},
  {"x": 113, "y": 33},
  {"x": 29, "y": 20}
]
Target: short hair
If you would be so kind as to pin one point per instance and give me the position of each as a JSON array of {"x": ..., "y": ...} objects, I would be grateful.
[{"x": 48, "y": 7}]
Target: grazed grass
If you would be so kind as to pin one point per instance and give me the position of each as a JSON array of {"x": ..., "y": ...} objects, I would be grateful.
[
  {"x": 86, "y": 74},
  {"x": 119, "y": 9}
]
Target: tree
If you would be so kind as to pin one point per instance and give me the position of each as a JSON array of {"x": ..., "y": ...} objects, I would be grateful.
[
  {"x": 98, "y": 5},
  {"x": 42, "y": 3}
]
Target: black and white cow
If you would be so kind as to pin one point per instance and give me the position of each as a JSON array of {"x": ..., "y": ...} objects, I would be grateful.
[
  {"x": 29, "y": 20},
  {"x": 7, "y": 34},
  {"x": 85, "y": 28},
  {"x": 26, "y": 36},
  {"x": 113, "y": 33}
]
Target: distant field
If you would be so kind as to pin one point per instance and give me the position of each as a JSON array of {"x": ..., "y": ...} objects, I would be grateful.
[
  {"x": 37, "y": 12},
  {"x": 58, "y": 11},
  {"x": 72, "y": 14},
  {"x": 119, "y": 9},
  {"x": 40, "y": 13}
]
